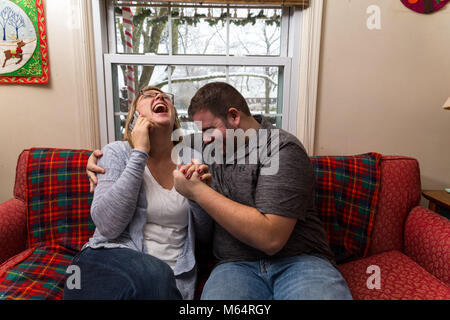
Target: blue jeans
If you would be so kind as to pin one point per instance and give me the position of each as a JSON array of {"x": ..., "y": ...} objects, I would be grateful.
[
  {"x": 121, "y": 274},
  {"x": 303, "y": 277}
]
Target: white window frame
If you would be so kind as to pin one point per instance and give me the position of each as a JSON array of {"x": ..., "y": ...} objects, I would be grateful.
[{"x": 299, "y": 58}]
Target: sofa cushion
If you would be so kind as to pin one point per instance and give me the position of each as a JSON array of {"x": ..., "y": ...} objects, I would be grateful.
[
  {"x": 400, "y": 279},
  {"x": 13, "y": 229},
  {"x": 400, "y": 191},
  {"x": 346, "y": 198},
  {"x": 20, "y": 185},
  {"x": 59, "y": 201},
  {"x": 40, "y": 276},
  {"x": 427, "y": 241}
]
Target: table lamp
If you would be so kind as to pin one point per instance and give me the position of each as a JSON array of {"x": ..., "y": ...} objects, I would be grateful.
[
  {"x": 447, "y": 104},
  {"x": 447, "y": 107}
]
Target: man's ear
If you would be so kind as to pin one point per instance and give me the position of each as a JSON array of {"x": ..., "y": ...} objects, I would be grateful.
[{"x": 234, "y": 117}]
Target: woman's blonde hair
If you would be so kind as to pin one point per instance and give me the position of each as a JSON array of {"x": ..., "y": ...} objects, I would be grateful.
[{"x": 127, "y": 135}]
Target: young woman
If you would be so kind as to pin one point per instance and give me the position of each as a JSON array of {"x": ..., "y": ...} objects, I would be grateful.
[{"x": 143, "y": 244}]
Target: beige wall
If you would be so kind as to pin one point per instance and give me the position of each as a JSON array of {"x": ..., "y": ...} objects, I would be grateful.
[
  {"x": 382, "y": 90},
  {"x": 59, "y": 114}
]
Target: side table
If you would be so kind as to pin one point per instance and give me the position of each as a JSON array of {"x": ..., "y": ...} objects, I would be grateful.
[{"x": 439, "y": 201}]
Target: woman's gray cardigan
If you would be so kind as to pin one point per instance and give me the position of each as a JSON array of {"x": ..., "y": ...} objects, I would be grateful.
[{"x": 119, "y": 209}]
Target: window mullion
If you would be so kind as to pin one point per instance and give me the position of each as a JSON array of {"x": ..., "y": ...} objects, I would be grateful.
[
  {"x": 197, "y": 60},
  {"x": 109, "y": 89},
  {"x": 169, "y": 77},
  {"x": 169, "y": 67},
  {"x": 228, "y": 30},
  {"x": 169, "y": 21},
  {"x": 227, "y": 68},
  {"x": 285, "y": 20},
  {"x": 112, "y": 42}
]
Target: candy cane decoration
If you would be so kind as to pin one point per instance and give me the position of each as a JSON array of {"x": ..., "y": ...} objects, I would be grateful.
[{"x": 128, "y": 30}]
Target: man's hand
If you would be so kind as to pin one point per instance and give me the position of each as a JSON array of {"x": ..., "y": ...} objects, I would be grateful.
[{"x": 92, "y": 169}]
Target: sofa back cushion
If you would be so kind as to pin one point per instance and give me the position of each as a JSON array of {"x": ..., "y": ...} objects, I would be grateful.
[
  {"x": 20, "y": 185},
  {"x": 346, "y": 198},
  {"x": 58, "y": 198},
  {"x": 400, "y": 192}
]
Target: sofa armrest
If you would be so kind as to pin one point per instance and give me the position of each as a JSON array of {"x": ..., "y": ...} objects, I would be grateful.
[
  {"x": 13, "y": 228},
  {"x": 427, "y": 241}
]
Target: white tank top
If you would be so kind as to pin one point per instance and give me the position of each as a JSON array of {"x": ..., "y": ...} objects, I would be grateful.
[{"x": 167, "y": 219}]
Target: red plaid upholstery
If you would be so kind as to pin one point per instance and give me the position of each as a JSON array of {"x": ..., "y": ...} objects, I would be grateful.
[
  {"x": 40, "y": 276},
  {"x": 346, "y": 198},
  {"x": 59, "y": 224},
  {"x": 58, "y": 198}
]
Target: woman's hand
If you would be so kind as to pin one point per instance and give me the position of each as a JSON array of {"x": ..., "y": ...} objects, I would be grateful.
[
  {"x": 191, "y": 188},
  {"x": 201, "y": 169},
  {"x": 140, "y": 134}
]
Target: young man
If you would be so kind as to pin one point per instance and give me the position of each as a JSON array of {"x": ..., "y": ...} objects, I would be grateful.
[{"x": 267, "y": 235}]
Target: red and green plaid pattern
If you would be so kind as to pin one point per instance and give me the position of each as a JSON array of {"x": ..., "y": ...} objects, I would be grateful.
[
  {"x": 40, "y": 276},
  {"x": 346, "y": 198},
  {"x": 58, "y": 198},
  {"x": 59, "y": 223}
]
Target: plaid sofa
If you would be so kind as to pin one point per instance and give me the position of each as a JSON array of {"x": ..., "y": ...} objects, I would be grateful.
[{"x": 368, "y": 204}]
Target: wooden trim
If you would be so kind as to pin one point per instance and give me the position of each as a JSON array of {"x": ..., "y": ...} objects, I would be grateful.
[{"x": 100, "y": 47}]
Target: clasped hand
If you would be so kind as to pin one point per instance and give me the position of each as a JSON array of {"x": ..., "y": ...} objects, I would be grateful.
[{"x": 190, "y": 178}]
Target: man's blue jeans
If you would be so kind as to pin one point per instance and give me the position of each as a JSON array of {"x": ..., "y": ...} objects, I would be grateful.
[
  {"x": 303, "y": 277},
  {"x": 122, "y": 274}
]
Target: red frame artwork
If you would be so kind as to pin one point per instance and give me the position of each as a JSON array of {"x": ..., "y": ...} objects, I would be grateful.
[
  {"x": 23, "y": 42},
  {"x": 425, "y": 6}
]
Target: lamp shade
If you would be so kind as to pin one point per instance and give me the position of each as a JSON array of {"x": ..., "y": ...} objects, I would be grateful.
[{"x": 447, "y": 104}]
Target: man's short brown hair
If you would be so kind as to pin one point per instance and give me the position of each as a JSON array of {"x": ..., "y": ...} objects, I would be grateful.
[{"x": 218, "y": 98}]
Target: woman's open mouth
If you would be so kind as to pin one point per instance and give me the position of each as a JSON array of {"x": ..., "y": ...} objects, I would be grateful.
[{"x": 160, "y": 108}]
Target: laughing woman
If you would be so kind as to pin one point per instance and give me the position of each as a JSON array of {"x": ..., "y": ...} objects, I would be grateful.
[{"x": 143, "y": 244}]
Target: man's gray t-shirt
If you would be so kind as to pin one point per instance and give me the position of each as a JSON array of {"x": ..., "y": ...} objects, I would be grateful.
[{"x": 289, "y": 193}]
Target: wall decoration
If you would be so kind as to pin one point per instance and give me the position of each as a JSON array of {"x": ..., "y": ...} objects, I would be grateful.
[
  {"x": 23, "y": 42},
  {"x": 425, "y": 6}
]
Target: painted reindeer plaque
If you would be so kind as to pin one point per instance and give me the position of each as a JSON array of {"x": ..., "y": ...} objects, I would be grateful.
[{"x": 23, "y": 42}]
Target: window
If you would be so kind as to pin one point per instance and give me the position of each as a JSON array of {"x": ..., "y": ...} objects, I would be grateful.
[{"x": 179, "y": 47}]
